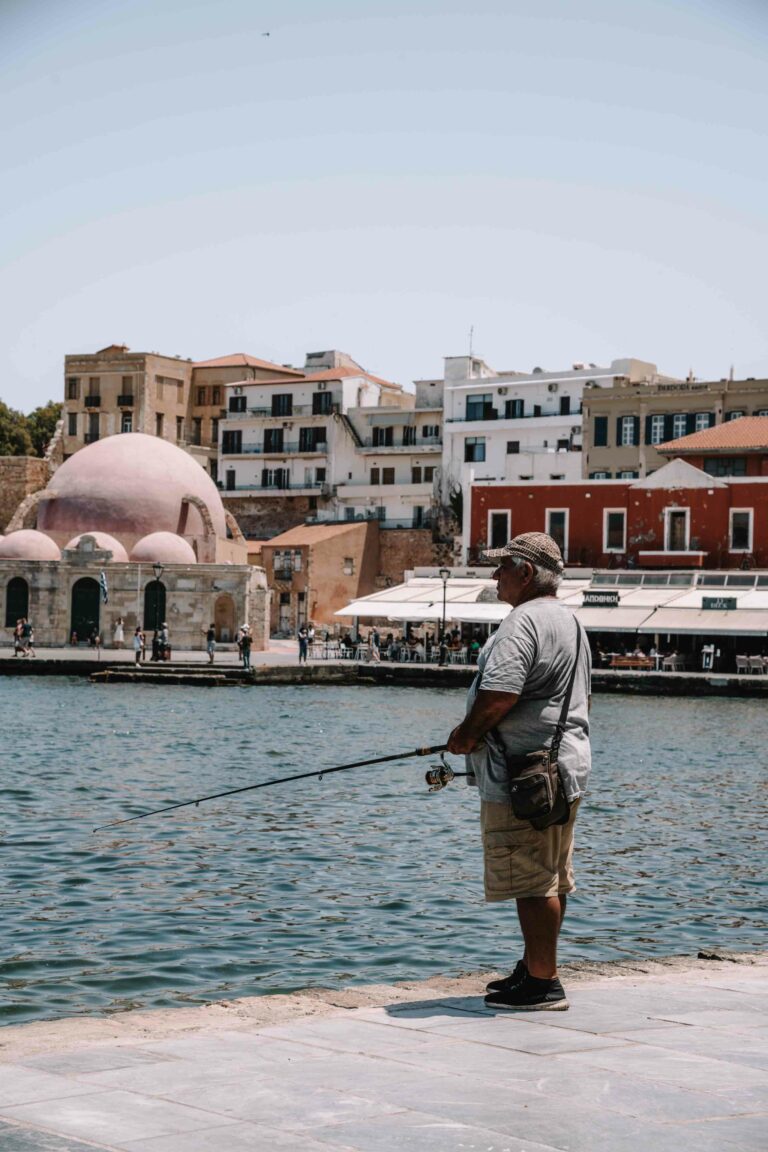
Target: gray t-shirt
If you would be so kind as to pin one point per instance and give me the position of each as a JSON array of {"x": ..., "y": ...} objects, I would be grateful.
[{"x": 532, "y": 655}]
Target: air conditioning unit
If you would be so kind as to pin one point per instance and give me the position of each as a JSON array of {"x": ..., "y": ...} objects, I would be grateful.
[
  {"x": 552, "y": 387},
  {"x": 503, "y": 391},
  {"x": 322, "y": 386},
  {"x": 237, "y": 391}
]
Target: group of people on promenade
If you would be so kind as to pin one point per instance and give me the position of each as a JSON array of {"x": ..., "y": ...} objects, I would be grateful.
[
  {"x": 24, "y": 638},
  {"x": 160, "y": 646},
  {"x": 243, "y": 639}
]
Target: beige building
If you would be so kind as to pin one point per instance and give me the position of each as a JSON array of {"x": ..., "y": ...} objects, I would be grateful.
[{"x": 624, "y": 424}]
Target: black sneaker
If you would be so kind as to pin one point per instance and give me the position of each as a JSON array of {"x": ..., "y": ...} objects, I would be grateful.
[
  {"x": 530, "y": 995},
  {"x": 518, "y": 973}
]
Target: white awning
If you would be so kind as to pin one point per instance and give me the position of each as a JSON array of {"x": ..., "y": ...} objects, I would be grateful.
[
  {"x": 613, "y": 619},
  {"x": 737, "y": 622}
]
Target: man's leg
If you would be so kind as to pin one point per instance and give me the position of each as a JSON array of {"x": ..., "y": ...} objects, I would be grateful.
[{"x": 540, "y": 920}]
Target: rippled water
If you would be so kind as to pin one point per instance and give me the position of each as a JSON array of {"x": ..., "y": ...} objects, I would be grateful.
[{"x": 359, "y": 878}]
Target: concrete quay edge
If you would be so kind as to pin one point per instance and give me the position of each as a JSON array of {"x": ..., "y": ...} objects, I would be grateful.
[{"x": 663, "y": 1053}]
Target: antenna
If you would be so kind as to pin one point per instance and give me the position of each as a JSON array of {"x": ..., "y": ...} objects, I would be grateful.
[
  {"x": 471, "y": 334},
  {"x": 730, "y": 375}
]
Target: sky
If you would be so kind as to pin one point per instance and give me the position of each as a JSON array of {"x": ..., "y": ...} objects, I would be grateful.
[{"x": 565, "y": 181}]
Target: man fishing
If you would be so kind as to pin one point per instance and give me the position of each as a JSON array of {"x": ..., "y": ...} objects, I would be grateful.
[{"x": 514, "y": 705}]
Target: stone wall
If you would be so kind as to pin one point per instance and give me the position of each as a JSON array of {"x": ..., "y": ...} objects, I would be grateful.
[
  {"x": 261, "y": 518},
  {"x": 20, "y": 476},
  {"x": 403, "y": 548}
]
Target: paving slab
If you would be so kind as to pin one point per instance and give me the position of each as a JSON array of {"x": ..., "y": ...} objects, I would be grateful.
[{"x": 676, "y": 1055}]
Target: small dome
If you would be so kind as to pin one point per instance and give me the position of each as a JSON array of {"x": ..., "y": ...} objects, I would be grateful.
[
  {"x": 166, "y": 547},
  {"x": 104, "y": 543},
  {"x": 27, "y": 544}
]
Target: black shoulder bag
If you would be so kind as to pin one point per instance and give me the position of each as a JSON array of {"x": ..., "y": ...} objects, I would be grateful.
[{"x": 536, "y": 786}]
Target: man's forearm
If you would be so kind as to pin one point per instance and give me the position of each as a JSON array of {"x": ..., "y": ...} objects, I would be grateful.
[{"x": 487, "y": 711}]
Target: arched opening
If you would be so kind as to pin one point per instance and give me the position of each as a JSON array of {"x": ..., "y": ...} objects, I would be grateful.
[
  {"x": 154, "y": 605},
  {"x": 224, "y": 618},
  {"x": 16, "y": 601},
  {"x": 86, "y": 603}
]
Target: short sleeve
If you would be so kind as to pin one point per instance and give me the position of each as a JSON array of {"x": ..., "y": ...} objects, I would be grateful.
[{"x": 512, "y": 657}]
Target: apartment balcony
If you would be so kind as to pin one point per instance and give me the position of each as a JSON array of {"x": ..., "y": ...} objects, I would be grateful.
[
  {"x": 299, "y": 488},
  {"x": 92, "y": 401},
  {"x": 424, "y": 444},
  {"x": 574, "y": 417},
  {"x": 125, "y": 400},
  {"x": 302, "y": 410},
  {"x": 363, "y": 490},
  {"x": 292, "y": 448}
]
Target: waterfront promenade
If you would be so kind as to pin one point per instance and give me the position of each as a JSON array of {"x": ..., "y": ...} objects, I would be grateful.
[{"x": 659, "y": 1055}]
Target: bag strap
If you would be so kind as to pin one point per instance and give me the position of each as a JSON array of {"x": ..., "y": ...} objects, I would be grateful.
[{"x": 554, "y": 747}]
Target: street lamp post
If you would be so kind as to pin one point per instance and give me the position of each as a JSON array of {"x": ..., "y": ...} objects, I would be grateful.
[
  {"x": 157, "y": 568},
  {"x": 444, "y": 576}
]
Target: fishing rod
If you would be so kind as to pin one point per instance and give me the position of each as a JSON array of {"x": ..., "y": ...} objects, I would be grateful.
[{"x": 437, "y": 778}]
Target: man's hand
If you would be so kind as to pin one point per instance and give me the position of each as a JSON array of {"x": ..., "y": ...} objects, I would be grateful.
[
  {"x": 488, "y": 709},
  {"x": 461, "y": 744}
]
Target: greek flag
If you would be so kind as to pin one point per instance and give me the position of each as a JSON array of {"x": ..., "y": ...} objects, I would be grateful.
[{"x": 103, "y": 586}]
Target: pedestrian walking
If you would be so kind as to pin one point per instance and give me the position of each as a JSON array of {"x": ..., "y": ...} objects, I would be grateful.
[
  {"x": 210, "y": 642},
  {"x": 118, "y": 633},
  {"x": 303, "y": 636},
  {"x": 245, "y": 646},
  {"x": 138, "y": 645},
  {"x": 374, "y": 645},
  {"x": 534, "y": 674}
]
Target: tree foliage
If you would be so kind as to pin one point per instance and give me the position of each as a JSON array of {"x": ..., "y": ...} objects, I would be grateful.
[{"x": 22, "y": 435}]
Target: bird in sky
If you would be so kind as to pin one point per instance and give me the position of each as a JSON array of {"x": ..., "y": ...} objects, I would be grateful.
[{"x": 266, "y": 33}]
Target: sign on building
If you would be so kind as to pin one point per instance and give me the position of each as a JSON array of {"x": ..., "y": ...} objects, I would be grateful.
[
  {"x": 719, "y": 603},
  {"x": 604, "y": 598}
]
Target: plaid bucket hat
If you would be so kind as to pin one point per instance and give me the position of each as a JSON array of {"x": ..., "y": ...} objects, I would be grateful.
[{"x": 536, "y": 547}]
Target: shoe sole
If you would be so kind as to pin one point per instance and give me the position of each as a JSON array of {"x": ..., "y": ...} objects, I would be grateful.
[{"x": 556, "y": 1006}]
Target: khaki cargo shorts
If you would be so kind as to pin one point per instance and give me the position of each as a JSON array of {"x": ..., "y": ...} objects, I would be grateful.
[{"x": 519, "y": 861}]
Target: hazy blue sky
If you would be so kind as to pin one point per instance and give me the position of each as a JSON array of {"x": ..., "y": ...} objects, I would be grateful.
[{"x": 578, "y": 180}]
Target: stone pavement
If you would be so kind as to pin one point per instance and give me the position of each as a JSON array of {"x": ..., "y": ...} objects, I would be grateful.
[{"x": 660, "y": 1060}]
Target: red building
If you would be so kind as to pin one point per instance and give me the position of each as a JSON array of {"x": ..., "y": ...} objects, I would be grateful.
[{"x": 678, "y": 517}]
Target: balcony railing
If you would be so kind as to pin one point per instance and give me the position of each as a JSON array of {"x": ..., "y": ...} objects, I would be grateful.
[
  {"x": 277, "y": 489},
  {"x": 92, "y": 401},
  {"x": 414, "y": 446},
  {"x": 297, "y": 410},
  {"x": 292, "y": 448},
  {"x": 125, "y": 400},
  {"x": 91, "y": 437},
  {"x": 525, "y": 416}
]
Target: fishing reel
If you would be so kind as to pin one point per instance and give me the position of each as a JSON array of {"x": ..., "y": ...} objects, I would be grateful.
[{"x": 440, "y": 775}]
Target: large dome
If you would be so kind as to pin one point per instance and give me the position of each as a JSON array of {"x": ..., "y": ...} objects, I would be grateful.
[
  {"x": 26, "y": 544},
  {"x": 130, "y": 485}
]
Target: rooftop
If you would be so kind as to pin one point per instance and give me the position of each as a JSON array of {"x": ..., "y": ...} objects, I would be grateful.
[
  {"x": 324, "y": 374},
  {"x": 745, "y": 434},
  {"x": 313, "y": 533},
  {"x": 243, "y": 360}
]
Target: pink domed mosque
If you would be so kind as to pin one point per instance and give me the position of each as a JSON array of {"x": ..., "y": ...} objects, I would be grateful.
[{"x": 145, "y": 514}]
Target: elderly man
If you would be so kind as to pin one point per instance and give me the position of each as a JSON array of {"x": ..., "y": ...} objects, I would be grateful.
[{"x": 514, "y": 706}]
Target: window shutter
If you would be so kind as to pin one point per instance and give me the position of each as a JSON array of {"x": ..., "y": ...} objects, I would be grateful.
[
  {"x": 636, "y": 430},
  {"x": 618, "y": 431},
  {"x": 668, "y": 427},
  {"x": 601, "y": 431},
  {"x": 711, "y": 419},
  {"x": 265, "y": 477},
  {"x": 648, "y": 422},
  {"x": 690, "y": 423}
]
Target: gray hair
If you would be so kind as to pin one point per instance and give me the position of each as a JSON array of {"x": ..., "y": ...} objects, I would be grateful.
[{"x": 545, "y": 581}]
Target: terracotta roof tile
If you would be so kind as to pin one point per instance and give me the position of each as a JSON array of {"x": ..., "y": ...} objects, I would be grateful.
[
  {"x": 326, "y": 374},
  {"x": 243, "y": 360},
  {"x": 312, "y": 533},
  {"x": 747, "y": 434}
]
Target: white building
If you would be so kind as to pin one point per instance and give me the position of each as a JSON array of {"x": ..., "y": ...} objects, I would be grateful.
[
  {"x": 358, "y": 446},
  {"x": 518, "y": 427}
]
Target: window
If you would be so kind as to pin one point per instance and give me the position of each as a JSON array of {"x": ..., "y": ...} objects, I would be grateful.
[
  {"x": 563, "y": 445},
  {"x": 232, "y": 442},
  {"x": 430, "y": 431},
  {"x": 126, "y": 422},
  {"x": 514, "y": 409},
  {"x": 557, "y": 527},
  {"x": 499, "y": 532},
  {"x": 383, "y": 437},
  {"x": 282, "y": 404},
  {"x": 601, "y": 431},
  {"x": 320, "y": 475},
  {"x": 375, "y": 476},
  {"x": 762, "y": 412},
  {"x": 679, "y": 425},
  {"x": 321, "y": 403},
  {"x": 180, "y": 391},
  {"x": 179, "y": 427},
  {"x": 429, "y": 474},
  {"x": 72, "y": 423},
  {"x": 726, "y": 466},
  {"x": 215, "y": 395},
  {"x": 478, "y": 406},
  {"x": 159, "y": 422},
  {"x": 614, "y": 529},
  {"x": 474, "y": 449},
  {"x": 565, "y": 405},
  {"x": 627, "y": 431},
  {"x": 701, "y": 422},
  {"x": 202, "y": 395},
  {"x": 627, "y": 475},
  {"x": 416, "y": 475},
  {"x": 676, "y": 529},
  {"x": 740, "y": 532},
  {"x": 197, "y": 430},
  {"x": 409, "y": 436},
  {"x": 273, "y": 440},
  {"x": 656, "y": 430},
  {"x": 94, "y": 385},
  {"x": 387, "y": 475},
  {"x": 73, "y": 392},
  {"x": 513, "y": 447},
  {"x": 215, "y": 430},
  {"x": 348, "y": 566},
  {"x": 127, "y": 384},
  {"x": 537, "y": 409},
  {"x": 418, "y": 516},
  {"x": 735, "y": 415},
  {"x": 312, "y": 439},
  {"x": 237, "y": 403},
  {"x": 599, "y": 475}
]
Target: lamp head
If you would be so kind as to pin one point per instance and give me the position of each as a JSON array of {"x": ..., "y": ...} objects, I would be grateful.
[
  {"x": 444, "y": 574},
  {"x": 157, "y": 568}
]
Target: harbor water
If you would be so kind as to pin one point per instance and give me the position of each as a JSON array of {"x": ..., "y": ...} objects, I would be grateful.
[{"x": 362, "y": 877}]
